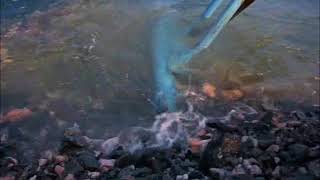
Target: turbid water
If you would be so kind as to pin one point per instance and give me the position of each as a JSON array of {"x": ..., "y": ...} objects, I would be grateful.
[{"x": 91, "y": 61}]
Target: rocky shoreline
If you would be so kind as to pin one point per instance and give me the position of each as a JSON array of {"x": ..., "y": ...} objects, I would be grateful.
[{"x": 262, "y": 144}]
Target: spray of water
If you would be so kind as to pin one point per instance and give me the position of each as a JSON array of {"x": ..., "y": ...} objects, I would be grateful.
[
  {"x": 170, "y": 50},
  {"x": 169, "y": 129}
]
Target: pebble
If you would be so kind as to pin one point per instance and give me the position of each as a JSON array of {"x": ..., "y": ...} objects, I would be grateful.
[
  {"x": 273, "y": 148},
  {"x": 70, "y": 177},
  {"x": 94, "y": 174},
  {"x": 59, "y": 170},
  {"x": 107, "y": 163},
  {"x": 43, "y": 162},
  {"x": 60, "y": 159}
]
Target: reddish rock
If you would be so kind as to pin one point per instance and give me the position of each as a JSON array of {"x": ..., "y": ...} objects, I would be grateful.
[
  {"x": 106, "y": 164},
  {"x": 231, "y": 145},
  {"x": 197, "y": 145},
  {"x": 209, "y": 90},
  {"x": 232, "y": 95},
  {"x": 7, "y": 178},
  {"x": 16, "y": 115},
  {"x": 60, "y": 159},
  {"x": 70, "y": 177},
  {"x": 59, "y": 170}
]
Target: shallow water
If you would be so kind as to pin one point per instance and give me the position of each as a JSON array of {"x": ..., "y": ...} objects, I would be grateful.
[{"x": 90, "y": 61}]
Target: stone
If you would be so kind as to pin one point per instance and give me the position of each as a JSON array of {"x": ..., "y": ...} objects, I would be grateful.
[
  {"x": 217, "y": 173},
  {"x": 60, "y": 159},
  {"x": 142, "y": 172},
  {"x": 273, "y": 148},
  {"x": 59, "y": 170},
  {"x": 231, "y": 145},
  {"x": 94, "y": 175},
  {"x": 255, "y": 170},
  {"x": 107, "y": 163},
  {"x": 73, "y": 167},
  {"x": 314, "y": 152},
  {"x": 182, "y": 177},
  {"x": 48, "y": 155},
  {"x": 196, "y": 175},
  {"x": 126, "y": 172},
  {"x": 42, "y": 162},
  {"x": 276, "y": 172},
  {"x": 298, "y": 151},
  {"x": 314, "y": 168},
  {"x": 88, "y": 161},
  {"x": 239, "y": 169},
  {"x": 70, "y": 177}
]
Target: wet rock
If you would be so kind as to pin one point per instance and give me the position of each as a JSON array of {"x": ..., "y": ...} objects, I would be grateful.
[
  {"x": 196, "y": 175},
  {"x": 59, "y": 170},
  {"x": 70, "y": 177},
  {"x": 182, "y": 177},
  {"x": 217, "y": 173},
  {"x": 314, "y": 152},
  {"x": 242, "y": 177},
  {"x": 94, "y": 175},
  {"x": 16, "y": 115},
  {"x": 299, "y": 115},
  {"x": 88, "y": 161},
  {"x": 273, "y": 148},
  {"x": 314, "y": 168},
  {"x": 276, "y": 172},
  {"x": 209, "y": 90},
  {"x": 8, "y": 178},
  {"x": 127, "y": 172},
  {"x": 233, "y": 95},
  {"x": 239, "y": 169},
  {"x": 73, "y": 167},
  {"x": 48, "y": 155},
  {"x": 124, "y": 161},
  {"x": 213, "y": 123},
  {"x": 42, "y": 162},
  {"x": 141, "y": 172},
  {"x": 107, "y": 164},
  {"x": 231, "y": 144},
  {"x": 196, "y": 145},
  {"x": 73, "y": 139},
  {"x": 298, "y": 151},
  {"x": 266, "y": 141},
  {"x": 60, "y": 158}
]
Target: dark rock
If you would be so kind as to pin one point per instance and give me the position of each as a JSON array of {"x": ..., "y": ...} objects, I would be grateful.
[
  {"x": 266, "y": 141},
  {"x": 221, "y": 126},
  {"x": 126, "y": 172},
  {"x": 124, "y": 161},
  {"x": 299, "y": 115},
  {"x": 298, "y": 151},
  {"x": 88, "y": 161},
  {"x": 141, "y": 172},
  {"x": 73, "y": 167},
  {"x": 196, "y": 175},
  {"x": 210, "y": 155},
  {"x": 255, "y": 152},
  {"x": 314, "y": 168},
  {"x": 301, "y": 177},
  {"x": 273, "y": 148},
  {"x": 314, "y": 152},
  {"x": 217, "y": 173},
  {"x": 242, "y": 177}
]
